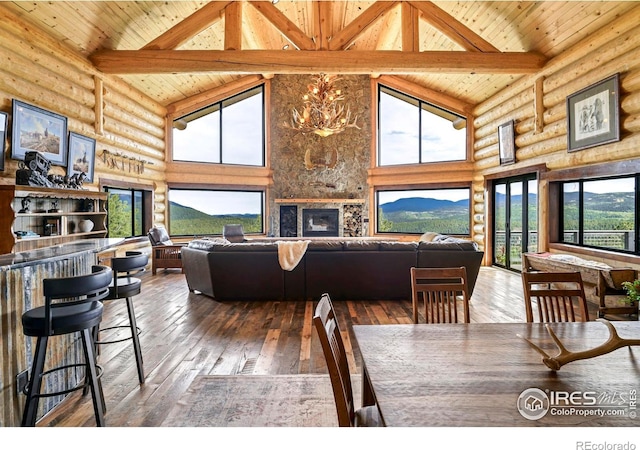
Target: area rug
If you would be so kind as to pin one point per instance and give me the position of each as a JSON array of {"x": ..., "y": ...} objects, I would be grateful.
[{"x": 257, "y": 401}]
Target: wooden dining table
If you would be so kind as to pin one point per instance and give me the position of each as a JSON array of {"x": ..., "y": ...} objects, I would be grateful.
[{"x": 486, "y": 374}]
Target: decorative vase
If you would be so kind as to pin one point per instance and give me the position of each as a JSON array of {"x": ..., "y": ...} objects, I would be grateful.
[{"x": 85, "y": 225}]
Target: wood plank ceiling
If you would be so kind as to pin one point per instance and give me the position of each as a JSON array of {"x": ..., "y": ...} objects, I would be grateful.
[{"x": 468, "y": 50}]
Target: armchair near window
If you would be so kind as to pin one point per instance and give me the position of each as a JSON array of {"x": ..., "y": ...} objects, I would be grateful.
[
  {"x": 164, "y": 253},
  {"x": 233, "y": 233}
]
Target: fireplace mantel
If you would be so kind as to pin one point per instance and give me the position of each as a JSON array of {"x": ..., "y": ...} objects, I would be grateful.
[{"x": 346, "y": 201}]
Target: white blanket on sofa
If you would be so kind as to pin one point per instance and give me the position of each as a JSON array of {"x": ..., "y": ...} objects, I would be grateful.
[{"x": 290, "y": 253}]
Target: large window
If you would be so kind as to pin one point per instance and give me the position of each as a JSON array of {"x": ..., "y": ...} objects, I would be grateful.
[
  {"x": 197, "y": 212},
  {"x": 226, "y": 132},
  {"x": 127, "y": 213},
  {"x": 411, "y": 131},
  {"x": 601, "y": 213},
  {"x": 444, "y": 211}
]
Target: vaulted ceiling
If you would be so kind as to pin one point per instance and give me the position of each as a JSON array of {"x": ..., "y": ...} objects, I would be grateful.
[{"x": 172, "y": 50}]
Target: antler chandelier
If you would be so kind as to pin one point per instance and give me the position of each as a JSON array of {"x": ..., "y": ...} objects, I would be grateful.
[{"x": 322, "y": 112}]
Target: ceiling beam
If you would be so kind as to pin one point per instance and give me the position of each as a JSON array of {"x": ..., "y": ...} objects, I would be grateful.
[
  {"x": 322, "y": 17},
  {"x": 410, "y": 28},
  {"x": 452, "y": 28},
  {"x": 305, "y": 62},
  {"x": 343, "y": 38},
  {"x": 189, "y": 27},
  {"x": 233, "y": 26},
  {"x": 288, "y": 29}
]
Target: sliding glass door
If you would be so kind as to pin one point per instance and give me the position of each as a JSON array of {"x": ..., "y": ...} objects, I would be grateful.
[{"x": 515, "y": 220}]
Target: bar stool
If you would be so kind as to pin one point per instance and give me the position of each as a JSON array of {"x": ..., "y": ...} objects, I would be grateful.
[
  {"x": 125, "y": 286},
  {"x": 72, "y": 304}
]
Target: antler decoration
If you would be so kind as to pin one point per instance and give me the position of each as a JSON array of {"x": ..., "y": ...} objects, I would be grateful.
[{"x": 565, "y": 356}]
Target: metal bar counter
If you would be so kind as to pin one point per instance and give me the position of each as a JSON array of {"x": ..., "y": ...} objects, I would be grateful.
[{"x": 21, "y": 276}]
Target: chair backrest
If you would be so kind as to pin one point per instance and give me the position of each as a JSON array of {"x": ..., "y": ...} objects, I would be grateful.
[
  {"x": 67, "y": 291},
  {"x": 559, "y": 296},
  {"x": 442, "y": 290},
  {"x": 126, "y": 266},
  {"x": 233, "y": 232},
  {"x": 130, "y": 263},
  {"x": 335, "y": 355},
  {"x": 158, "y": 236}
]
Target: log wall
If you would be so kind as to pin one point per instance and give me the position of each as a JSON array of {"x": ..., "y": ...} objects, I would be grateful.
[
  {"x": 125, "y": 123},
  {"x": 614, "y": 49}
]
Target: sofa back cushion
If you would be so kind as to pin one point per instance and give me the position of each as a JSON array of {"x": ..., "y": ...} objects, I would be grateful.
[{"x": 450, "y": 244}]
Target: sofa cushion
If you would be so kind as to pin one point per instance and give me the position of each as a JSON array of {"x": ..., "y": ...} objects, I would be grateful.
[
  {"x": 328, "y": 246},
  {"x": 450, "y": 244},
  {"x": 243, "y": 247},
  {"x": 207, "y": 243},
  {"x": 399, "y": 246},
  {"x": 361, "y": 245}
]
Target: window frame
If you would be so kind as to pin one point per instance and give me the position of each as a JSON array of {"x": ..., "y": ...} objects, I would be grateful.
[
  {"x": 603, "y": 170},
  {"x": 420, "y": 101},
  {"x": 218, "y": 105},
  {"x": 218, "y": 188},
  {"x": 559, "y": 193},
  {"x": 422, "y": 187},
  {"x": 147, "y": 203}
]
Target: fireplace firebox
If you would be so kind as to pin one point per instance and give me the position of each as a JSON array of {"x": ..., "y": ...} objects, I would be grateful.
[{"x": 320, "y": 222}]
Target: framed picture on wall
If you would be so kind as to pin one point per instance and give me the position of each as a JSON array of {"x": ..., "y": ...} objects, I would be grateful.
[
  {"x": 593, "y": 115},
  {"x": 506, "y": 142},
  {"x": 3, "y": 137},
  {"x": 82, "y": 156},
  {"x": 36, "y": 129}
]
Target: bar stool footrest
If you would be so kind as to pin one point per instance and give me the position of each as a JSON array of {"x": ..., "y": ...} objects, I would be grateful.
[
  {"x": 138, "y": 331},
  {"x": 83, "y": 385}
]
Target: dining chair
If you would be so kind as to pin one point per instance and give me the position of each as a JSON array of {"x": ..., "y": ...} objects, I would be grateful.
[
  {"x": 559, "y": 296},
  {"x": 442, "y": 290},
  {"x": 335, "y": 355}
]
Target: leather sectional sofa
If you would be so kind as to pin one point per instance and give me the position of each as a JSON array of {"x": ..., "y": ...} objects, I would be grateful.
[{"x": 348, "y": 269}]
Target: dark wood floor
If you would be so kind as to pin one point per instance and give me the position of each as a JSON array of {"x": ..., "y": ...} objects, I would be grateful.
[{"x": 185, "y": 335}]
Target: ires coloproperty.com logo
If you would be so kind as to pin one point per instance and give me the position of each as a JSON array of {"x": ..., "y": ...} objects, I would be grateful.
[{"x": 534, "y": 403}]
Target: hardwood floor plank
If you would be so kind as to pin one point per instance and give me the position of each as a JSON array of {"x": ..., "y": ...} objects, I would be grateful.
[{"x": 185, "y": 335}]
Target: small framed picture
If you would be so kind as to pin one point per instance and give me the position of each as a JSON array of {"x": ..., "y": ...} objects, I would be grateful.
[
  {"x": 82, "y": 156},
  {"x": 593, "y": 115},
  {"x": 3, "y": 137},
  {"x": 36, "y": 129},
  {"x": 506, "y": 142}
]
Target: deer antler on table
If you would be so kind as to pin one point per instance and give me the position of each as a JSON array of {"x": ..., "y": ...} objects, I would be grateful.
[{"x": 565, "y": 356}]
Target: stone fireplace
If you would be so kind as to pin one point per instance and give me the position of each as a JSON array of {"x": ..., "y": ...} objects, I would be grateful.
[
  {"x": 319, "y": 218},
  {"x": 313, "y": 172},
  {"x": 320, "y": 222}
]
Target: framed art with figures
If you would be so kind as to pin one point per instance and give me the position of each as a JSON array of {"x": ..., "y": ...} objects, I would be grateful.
[
  {"x": 36, "y": 129},
  {"x": 593, "y": 115},
  {"x": 82, "y": 156}
]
